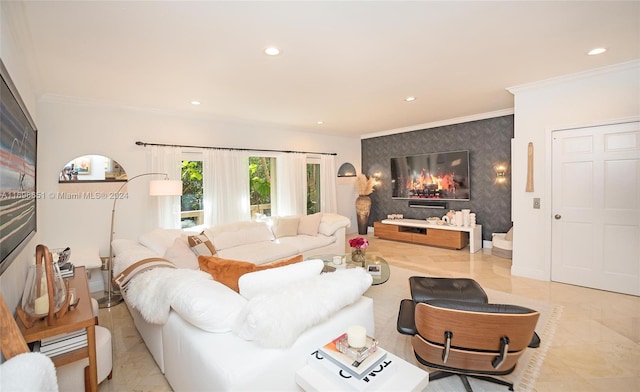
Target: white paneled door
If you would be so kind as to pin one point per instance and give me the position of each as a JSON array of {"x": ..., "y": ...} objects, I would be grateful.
[{"x": 596, "y": 207}]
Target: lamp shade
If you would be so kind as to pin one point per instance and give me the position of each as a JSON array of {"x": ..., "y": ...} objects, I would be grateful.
[
  {"x": 165, "y": 188},
  {"x": 347, "y": 170}
]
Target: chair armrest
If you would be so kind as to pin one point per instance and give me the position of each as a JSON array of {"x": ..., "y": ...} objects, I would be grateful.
[{"x": 406, "y": 324}]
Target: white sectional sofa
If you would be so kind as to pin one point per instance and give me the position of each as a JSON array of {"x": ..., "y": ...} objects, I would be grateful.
[{"x": 205, "y": 336}]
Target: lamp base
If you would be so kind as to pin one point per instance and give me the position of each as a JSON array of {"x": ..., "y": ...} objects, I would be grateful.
[{"x": 110, "y": 301}]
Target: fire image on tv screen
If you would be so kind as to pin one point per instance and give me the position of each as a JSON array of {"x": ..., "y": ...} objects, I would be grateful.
[{"x": 442, "y": 176}]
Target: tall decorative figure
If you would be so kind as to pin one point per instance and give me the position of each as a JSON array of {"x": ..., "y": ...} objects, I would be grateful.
[{"x": 364, "y": 186}]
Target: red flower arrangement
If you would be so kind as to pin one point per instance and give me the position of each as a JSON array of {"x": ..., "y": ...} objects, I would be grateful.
[{"x": 358, "y": 243}]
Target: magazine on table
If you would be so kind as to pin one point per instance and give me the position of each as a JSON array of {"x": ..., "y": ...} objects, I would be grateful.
[{"x": 360, "y": 363}]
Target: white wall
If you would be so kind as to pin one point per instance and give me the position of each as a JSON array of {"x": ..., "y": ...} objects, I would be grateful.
[
  {"x": 600, "y": 96},
  {"x": 12, "y": 55},
  {"x": 71, "y": 128}
]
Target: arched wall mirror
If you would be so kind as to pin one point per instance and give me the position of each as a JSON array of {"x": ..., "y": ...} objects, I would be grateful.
[
  {"x": 91, "y": 173},
  {"x": 92, "y": 168}
]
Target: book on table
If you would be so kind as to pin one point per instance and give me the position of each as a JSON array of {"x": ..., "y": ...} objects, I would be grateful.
[
  {"x": 376, "y": 369},
  {"x": 63, "y": 343},
  {"x": 355, "y": 362}
]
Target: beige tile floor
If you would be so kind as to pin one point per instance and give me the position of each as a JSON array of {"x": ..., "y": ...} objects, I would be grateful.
[{"x": 596, "y": 346}]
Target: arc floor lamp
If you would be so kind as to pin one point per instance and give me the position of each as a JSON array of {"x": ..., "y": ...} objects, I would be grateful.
[{"x": 163, "y": 187}]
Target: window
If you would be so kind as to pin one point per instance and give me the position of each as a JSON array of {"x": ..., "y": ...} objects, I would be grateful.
[
  {"x": 313, "y": 188},
  {"x": 191, "y": 200},
  {"x": 261, "y": 181}
]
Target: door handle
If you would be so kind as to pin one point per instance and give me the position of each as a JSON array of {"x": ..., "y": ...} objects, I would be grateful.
[{"x": 558, "y": 216}]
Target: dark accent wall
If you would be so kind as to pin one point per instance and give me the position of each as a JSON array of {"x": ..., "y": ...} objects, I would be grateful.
[{"x": 488, "y": 142}]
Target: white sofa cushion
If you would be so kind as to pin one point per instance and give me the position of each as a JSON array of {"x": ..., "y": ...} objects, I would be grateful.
[
  {"x": 309, "y": 224},
  {"x": 159, "y": 240},
  {"x": 209, "y": 305},
  {"x": 286, "y": 226},
  {"x": 306, "y": 242},
  {"x": 237, "y": 234},
  {"x": 181, "y": 255},
  {"x": 331, "y": 222},
  {"x": 259, "y": 252},
  {"x": 253, "y": 283},
  {"x": 275, "y": 318}
]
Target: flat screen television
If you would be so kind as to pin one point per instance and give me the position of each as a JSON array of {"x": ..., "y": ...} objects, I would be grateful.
[
  {"x": 439, "y": 176},
  {"x": 18, "y": 142}
]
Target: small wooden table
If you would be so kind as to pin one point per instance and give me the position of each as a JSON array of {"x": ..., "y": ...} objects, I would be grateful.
[{"x": 78, "y": 318}]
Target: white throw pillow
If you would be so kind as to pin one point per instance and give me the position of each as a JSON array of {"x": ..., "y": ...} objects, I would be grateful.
[
  {"x": 159, "y": 240},
  {"x": 276, "y": 318},
  {"x": 253, "y": 283},
  {"x": 286, "y": 226},
  {"x": 309, "y": 224},
  {"x": 331, "y": 222},
  {"x": 208, "y": 305},
  {"x": 181, "y": 255}
]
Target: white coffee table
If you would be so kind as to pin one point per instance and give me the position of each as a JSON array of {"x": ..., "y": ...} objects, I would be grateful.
[{"x": 406, "y": 377}]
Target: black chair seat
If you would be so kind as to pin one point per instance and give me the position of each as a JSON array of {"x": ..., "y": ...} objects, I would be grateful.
[{"x": 424, "y": 289}]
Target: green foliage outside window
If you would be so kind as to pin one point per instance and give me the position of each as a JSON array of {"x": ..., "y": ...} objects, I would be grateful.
[{"x": 191, "y": 185}]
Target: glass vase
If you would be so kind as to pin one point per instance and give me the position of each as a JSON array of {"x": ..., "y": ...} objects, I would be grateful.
[
  {"x": 35, "y": 299},
  {"x": 358, "y": 256}
]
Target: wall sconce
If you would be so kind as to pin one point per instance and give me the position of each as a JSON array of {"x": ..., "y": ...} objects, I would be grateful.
[
  {"x": 347, "y": 170},
  {"x": 501, "y": 174}
]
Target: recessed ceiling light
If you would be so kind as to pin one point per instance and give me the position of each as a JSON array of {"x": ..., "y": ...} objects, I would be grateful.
[
  {"x": 272, "y": 51},
  {"x": 320, "y": 122},
  {"x": 596, "y": 51},
  {"x": 195, "y": 102},
  {"x": 410, "y": 99}
]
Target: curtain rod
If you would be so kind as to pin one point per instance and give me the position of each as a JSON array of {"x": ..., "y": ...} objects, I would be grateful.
[{"x": 144, "y": 144}]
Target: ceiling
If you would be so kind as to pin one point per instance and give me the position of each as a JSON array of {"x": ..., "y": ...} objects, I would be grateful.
[{"x": 348, "y": 64}]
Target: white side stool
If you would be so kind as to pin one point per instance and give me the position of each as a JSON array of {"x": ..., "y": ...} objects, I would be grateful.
[
  {"x": 104, "y": 355},
  {"x": 71, "y": 377}
]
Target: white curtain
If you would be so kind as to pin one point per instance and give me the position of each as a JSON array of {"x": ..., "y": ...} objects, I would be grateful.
[
  {"x": 225, "y": 186},
  {"x": 328, "y": 202},
  {"x": 291, "y": 184},
  {"x": 167, "y": 160}
]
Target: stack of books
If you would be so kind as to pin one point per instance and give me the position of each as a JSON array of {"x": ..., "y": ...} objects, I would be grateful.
[
  {"x": 67, "y": 270},
  {"x": 61, "y": 344},
  {"x": 356, "y": 369}
]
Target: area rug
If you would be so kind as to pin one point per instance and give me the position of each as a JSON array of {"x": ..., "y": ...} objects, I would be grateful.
[{"x": 387, "y": 299}]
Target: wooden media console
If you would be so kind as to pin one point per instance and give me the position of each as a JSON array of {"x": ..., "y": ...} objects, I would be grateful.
[{"x": 421, "y": 232}]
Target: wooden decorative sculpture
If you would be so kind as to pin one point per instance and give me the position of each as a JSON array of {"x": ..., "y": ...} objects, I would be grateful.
[
  {"x": 529, "y": 187},
  {"x": 42, "y": 253}
]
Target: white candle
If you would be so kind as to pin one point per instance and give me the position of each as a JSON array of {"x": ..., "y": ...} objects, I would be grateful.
[
  {"x": 357, "y": 336},
  {"x": 337, "y": 260},
  {"x": 41, "y": 305}
]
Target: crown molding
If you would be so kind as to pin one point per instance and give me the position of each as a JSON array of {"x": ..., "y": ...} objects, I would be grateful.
[
  {"x": 435, "y": 124},
  {"x": 575, "y": 76}
]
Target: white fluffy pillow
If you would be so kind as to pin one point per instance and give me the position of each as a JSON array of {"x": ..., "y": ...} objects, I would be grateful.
[
  {"x": 209, "y": 305},
  {"x": 309, "y": 224},
  {"x": 286, "y": 227},
  {"x": 331, "y": 222},
  {"x": 181, "y": 255},
  {"x": 276, "y": 318},
  {"x": 159, "y": 240},
  {"x": 253, "y": 283}
]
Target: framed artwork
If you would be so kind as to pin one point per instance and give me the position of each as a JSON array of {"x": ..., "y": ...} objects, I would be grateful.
[
  {"x": 82, "y": 165},
  {"x": 18, "y": 145}
]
